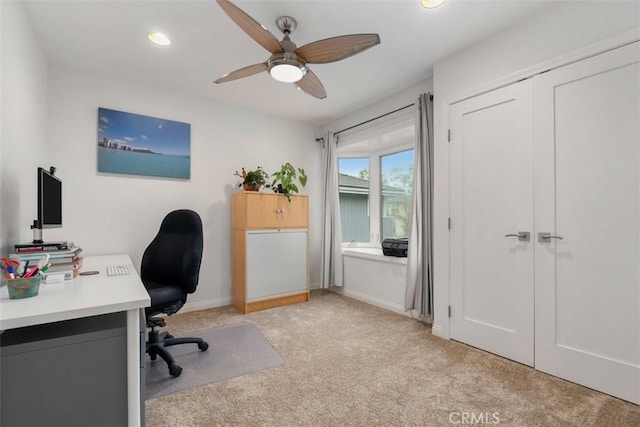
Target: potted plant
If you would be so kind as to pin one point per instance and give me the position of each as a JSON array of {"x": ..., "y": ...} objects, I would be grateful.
[
  {"x": 252, "y": 180},
  {"x": 284, "y": 181}
]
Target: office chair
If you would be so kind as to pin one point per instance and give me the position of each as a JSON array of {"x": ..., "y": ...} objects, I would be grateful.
[{"x": 169, "y": 270}]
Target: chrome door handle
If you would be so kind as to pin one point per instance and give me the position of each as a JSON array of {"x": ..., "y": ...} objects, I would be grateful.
[
  {"x": 523, "y": 236},
  {"x": 546, "y": 237}
]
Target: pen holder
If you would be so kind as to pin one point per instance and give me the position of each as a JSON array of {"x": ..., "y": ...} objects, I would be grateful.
[{"x": 23, "y": 288}]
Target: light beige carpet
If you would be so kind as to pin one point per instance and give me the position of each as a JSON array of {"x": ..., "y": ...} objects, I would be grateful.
[{"x": 351, "y": 364}]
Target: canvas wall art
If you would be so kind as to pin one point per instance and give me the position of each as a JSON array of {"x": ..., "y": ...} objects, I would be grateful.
[{"x": 140, "y": 145}]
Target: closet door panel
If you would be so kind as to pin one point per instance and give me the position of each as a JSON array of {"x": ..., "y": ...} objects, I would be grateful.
[
  {"x": 492, "y": 196},
  {"x": 587, "y": 159}
]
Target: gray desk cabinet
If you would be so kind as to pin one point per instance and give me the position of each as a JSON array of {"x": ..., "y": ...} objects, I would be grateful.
[{"x": 69, "y": 373}]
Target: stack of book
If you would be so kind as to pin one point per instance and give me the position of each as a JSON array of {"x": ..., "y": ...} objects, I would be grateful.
[
  {"x": 25, "y": 248},
  {"x": 64, "y": 258}
]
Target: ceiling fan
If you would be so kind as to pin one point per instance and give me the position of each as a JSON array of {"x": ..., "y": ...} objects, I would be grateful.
[{"x": 288, "y": 63}]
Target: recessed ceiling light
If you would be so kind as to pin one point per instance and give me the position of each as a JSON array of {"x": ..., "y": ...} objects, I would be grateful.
[
  {"x": 430, "y": 4},
  {"x": 158, "y": 38}
]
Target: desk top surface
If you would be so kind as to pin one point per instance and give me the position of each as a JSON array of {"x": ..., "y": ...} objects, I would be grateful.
[{"x": 81, "y": 297}]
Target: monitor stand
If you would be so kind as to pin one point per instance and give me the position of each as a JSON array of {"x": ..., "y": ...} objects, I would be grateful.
[
  {"x": 37, "y": 237},
  {"x": 37, "y": 232}
]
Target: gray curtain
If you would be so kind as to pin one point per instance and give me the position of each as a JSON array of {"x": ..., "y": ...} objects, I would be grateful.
[
  {"x": 331, "y": 272},
  {"x": 419, "y": 291}
]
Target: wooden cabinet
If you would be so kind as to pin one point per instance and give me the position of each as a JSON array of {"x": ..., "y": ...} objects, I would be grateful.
[
  {"x": 270, "y": 261},
  {"x": 253, "y": 210}
]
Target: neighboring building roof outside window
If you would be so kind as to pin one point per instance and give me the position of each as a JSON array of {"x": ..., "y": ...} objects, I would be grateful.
[{"x": 354, "y": 185}]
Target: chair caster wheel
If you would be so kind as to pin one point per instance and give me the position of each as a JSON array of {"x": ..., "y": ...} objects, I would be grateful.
[
  {"x": 169, "y": 337},
  {"x": 175, "y": 370},
  {"x": 153, "y": 356},
  {"x": 204, "y": 346}
]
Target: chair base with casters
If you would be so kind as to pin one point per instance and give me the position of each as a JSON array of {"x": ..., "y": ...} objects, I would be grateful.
[{"x": 158, "y": 341}]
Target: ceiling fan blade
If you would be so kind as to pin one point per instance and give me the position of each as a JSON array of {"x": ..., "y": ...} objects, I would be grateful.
[
  {"x": 336, "y": 48},
  {"x": 242, "y": 72},
  {"x": 249, "y": 25},
  {"x": 311, "y": 84}
]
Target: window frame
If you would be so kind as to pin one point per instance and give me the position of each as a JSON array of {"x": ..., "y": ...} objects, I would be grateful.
[
  {"x": 412, "y": 148},
  {"x": 375, "y": 187}
]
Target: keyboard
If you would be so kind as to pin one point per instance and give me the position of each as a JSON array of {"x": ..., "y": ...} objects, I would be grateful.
[{"x": 117, "y": 270}]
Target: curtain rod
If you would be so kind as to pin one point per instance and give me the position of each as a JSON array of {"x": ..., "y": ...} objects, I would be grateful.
[{"x": 375, "y": 118}]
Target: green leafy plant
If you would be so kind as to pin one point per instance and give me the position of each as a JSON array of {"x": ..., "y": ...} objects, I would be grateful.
[
  {"x": 252, "y": 180},
  {"x": 284, "y": 181}
]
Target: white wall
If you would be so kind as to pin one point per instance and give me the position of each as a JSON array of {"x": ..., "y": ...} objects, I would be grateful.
[
  {"x": 398, "y": 100},
  {"x": 377, "y": 282},
  {"x": 375, "y": 279},
  {"x": 556, "y": 31},
  {"x": 49, "y": 117},
  {"x": 505, "y": 57},
  {"x": 23, "y": 120},
  {"x": 110, "y": 213}
]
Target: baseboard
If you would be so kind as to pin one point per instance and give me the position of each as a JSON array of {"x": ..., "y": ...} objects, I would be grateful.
[
  {"x": 396, "y": 308},
  {"x": 438, "y": 331},
  {"x": 203, "y": 305},
  {"x": 220, "y": 302}
]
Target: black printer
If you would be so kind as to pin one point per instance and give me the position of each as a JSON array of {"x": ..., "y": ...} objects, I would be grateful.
[{"x": 395, "y": 247}]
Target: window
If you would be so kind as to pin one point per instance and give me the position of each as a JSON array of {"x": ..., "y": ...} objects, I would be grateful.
[
  {"x": 354, "y": 199},
  {"x": 397, "y": 188},
  {"x": 375, "y": 177}
]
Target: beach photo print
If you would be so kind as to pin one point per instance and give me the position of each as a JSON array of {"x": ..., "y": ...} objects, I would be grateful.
[{"x": 141, "y": 145}]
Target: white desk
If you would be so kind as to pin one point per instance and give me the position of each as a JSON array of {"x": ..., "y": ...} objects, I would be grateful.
[{"x": 88, "y": 296}]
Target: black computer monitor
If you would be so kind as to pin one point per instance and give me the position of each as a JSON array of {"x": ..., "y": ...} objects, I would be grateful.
[{"x": 49, "y": 199}]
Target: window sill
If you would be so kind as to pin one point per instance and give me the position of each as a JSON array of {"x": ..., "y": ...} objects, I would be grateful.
[{"x": 374, "y": 254}]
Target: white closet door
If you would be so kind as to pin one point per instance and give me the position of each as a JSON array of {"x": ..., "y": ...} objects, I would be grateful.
[
  {"x": 492, "y": 196},
  {"x": 587, "y": 158}
]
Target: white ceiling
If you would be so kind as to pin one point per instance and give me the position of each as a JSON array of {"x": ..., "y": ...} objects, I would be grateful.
[{"x": 108, "y": 37}]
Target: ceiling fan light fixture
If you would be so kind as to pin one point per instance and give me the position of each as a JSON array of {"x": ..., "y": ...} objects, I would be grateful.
[
  {"x": 286, "y": 68},
  {"x": 158, "y": 38},
  {"x": 430, "y": 4},
  {"x": 287, "y": 73}
]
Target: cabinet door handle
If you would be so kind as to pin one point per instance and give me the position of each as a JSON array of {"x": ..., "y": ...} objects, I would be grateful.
[
  {"x": 279, "y": 211},
  {"x": 546, "y": 237},
  {"x": 523, "y": 236}
]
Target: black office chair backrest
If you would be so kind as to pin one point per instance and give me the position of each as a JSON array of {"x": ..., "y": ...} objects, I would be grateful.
[{"x": 173, "y": 257}]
